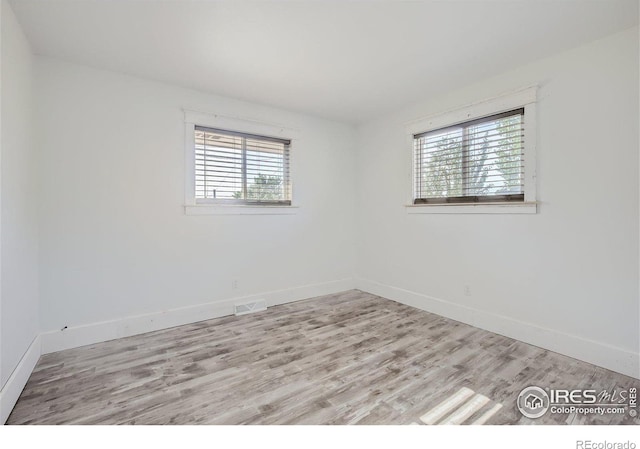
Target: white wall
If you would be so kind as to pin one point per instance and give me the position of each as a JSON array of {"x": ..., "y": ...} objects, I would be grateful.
[
  {"x": 19, "y": 223},
  {"x": 565, "y": 278},
  {"x": 115, "y": 241}
]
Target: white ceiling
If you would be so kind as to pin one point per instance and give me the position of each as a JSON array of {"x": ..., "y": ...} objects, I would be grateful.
[{"x": 348, "y": 61}]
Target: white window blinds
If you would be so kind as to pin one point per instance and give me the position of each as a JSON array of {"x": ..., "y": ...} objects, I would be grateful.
[
  {"x": 477, "y": 161},
  {"x": 234, "y": 167}
]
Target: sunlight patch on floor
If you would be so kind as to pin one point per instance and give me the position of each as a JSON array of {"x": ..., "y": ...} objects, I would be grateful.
[{"x": 463, "y": 407}]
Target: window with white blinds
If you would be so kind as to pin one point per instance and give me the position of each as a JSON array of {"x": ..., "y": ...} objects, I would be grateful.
[
  {"x": 238, "y": 168},
  {"x": 480, "y": 160}
]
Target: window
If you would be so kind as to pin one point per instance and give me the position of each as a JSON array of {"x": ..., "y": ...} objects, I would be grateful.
[
  {"x": 477, "y": 159},
  {"x": 237, "y": 168},
  {"x": 480, "y": 160}
]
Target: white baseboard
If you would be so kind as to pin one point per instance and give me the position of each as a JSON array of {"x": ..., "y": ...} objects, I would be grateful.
[
  {"x": 92, "y": 333},
  {"x": 613, "y": 358},
  {"x": 11, "y": 391}
]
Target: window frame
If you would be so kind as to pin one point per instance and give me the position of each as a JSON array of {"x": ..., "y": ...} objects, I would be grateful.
[
  {"x": 209, "y": 206},
  {"x": 521, "y": 99}
]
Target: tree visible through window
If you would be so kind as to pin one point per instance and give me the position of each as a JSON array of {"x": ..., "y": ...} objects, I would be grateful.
[{"x": 479, "y": 160}]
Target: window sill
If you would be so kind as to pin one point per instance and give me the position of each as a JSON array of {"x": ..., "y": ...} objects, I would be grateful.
[
  {"x": 216, "y": 209},
  {"x": 479, "y": 208}
]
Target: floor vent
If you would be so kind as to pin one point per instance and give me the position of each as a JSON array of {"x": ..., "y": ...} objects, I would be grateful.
[{"x": 250, "y": 307}]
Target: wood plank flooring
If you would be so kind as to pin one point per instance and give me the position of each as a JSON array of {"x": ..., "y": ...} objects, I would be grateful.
[{"x": 348, "y": 358}]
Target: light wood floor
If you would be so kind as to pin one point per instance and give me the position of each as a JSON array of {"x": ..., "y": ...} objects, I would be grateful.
[{"x": 349, "y": 358}]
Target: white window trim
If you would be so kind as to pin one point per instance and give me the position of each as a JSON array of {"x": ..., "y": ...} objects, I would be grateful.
[
  {"x": 521, "y": 98},
  {"x": 249, "y": 126}
]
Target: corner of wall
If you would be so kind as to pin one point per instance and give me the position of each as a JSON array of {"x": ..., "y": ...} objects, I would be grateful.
[
  {"x": 18, "y": 380},
  {"x": 19, "y": 337}
]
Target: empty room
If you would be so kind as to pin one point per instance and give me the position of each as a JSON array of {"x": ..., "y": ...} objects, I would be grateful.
[{"x": 301, "y": 212}]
